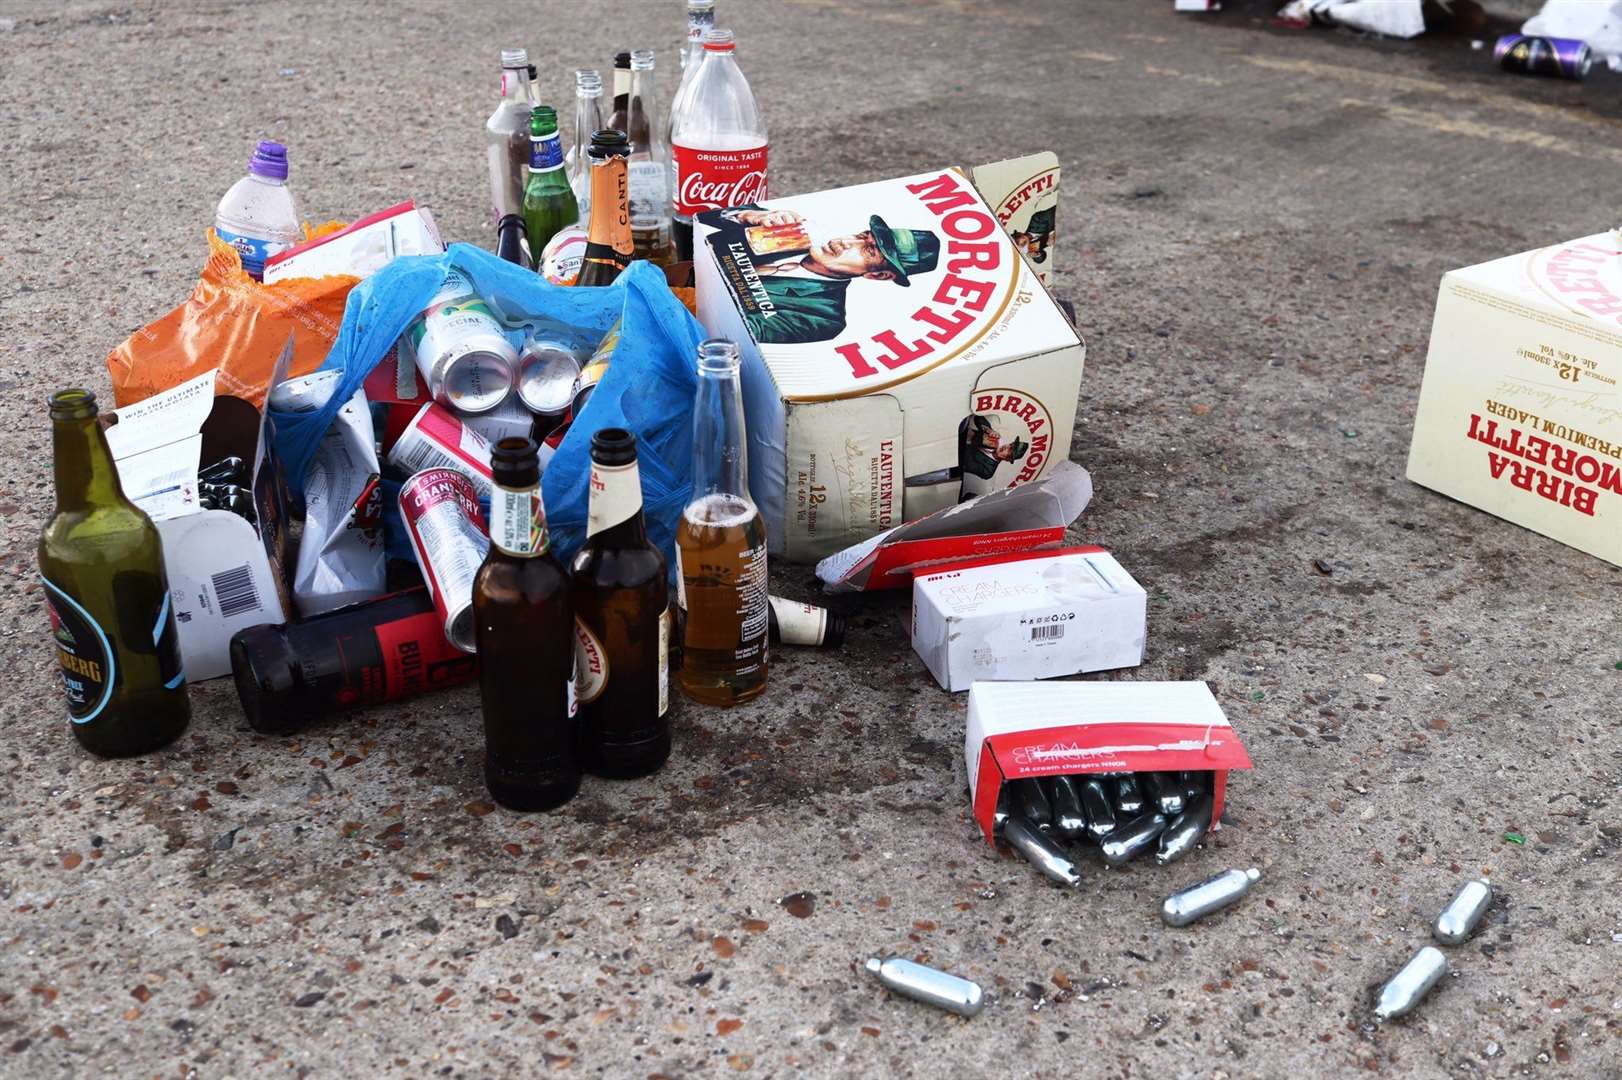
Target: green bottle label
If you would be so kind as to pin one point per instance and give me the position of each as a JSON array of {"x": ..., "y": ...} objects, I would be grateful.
[{"x": 89, "y": 663}]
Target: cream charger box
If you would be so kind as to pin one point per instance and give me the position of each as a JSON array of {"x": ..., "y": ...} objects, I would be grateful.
[
  {"x": 899, "y": 355},
  {"x": 1028, "y": 615},
  {"x": 1520, "y": 413}
]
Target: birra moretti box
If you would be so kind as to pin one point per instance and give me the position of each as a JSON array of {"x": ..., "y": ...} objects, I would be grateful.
[
  {"x": 1520, "y": 413},
  {"x": 899, "y": 355}
]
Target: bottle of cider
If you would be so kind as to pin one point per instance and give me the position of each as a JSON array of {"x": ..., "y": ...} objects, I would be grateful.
[
  {"x": 101, "y": 563},
  {"x": 621, "y": 602},
  {"x": 721, "y": 546}
]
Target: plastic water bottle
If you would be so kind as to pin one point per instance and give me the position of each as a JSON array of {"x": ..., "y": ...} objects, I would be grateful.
[{"x": 257, "y": 216}]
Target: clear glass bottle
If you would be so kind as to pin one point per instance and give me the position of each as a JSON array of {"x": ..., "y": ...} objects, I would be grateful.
[
  {"x": 506, "y": 136},
  {"x": 721, "y": 546},
  {"x": 649, "y": 166},
  {"x": 588, "y": 117},
  {"x": 700, "y": 21}
]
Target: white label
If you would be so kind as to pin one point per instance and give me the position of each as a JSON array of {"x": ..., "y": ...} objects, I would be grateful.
[
  {"x": 649, "y": 199},
  {"x": 517, "y": 521},
  {"x": 615, "y": 496},
  {"x": 664, "y": 660},
  {"x": 681, "y": 582},
  {"x": 752, "y": 598},
  {"x": 590, "y": 663},
  {"x": 797, "y": 623}
]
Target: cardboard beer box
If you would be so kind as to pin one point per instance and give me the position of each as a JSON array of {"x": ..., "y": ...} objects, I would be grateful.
[
  {"x": 1028, "y": 615},
  {"x": 899, "y": 356},
  {"x": 1024, "y": 192},
  {"x": 1029, "y": 730},
  {"x": 225, "y": 573},
  {"x": 1520, "y": 412}
]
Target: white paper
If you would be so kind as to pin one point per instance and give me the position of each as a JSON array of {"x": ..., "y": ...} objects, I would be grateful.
[{"x": 1594, "y": 21}]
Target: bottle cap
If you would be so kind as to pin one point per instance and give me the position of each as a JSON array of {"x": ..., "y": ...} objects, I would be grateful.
[
  {"x": 269, "y": 160},
  {"x": 514, "y": 463},
  {"x": 622, "y": 59},
  {"x": 642, "y": 60},
  {"x": 515, "y": 58},
  {"x": 719, "y": 40},
  {"x": 613, "y": 446}
]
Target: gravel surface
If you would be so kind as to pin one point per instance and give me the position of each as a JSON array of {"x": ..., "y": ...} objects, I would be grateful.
[{"x": 1253, "y": 228}]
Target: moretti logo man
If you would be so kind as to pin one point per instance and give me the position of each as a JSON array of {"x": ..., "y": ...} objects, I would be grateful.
[{"x": 791, "y": 290}]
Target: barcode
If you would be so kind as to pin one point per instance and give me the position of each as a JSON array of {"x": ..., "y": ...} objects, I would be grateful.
[
  {"x": 234, "y": 591},
  {"x": 1047, "y": 632},
  {"x": 413, "y": 455}
]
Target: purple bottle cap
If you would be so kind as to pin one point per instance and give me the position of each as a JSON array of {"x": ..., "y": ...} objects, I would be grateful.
[{"x": 269, "y": 160}]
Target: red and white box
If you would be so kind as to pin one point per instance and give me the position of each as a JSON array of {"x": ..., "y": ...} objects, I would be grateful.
[
  {"x": 1029, "y": 730},
  {"x": 437, "y": 438},
  {"x": 363, "y": 248},
  {"x": 1014, "y": 519},
  {"x": 1028, "y": 615}
]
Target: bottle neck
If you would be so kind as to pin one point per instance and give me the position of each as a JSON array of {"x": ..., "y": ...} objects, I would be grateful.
[
  {"x": 518, "y": 522},
  {"x": 85, "y": 477},
  {"x": 614, "y": 519},
  {"x": 642, "y": 114},
  {"x": 699, "y": 23},
  {"x": 545, "y": 152},
  {"x": 720, "y": 463},
  {"x": 610, "y": 209},
  {"x": 515, "y": 84}
]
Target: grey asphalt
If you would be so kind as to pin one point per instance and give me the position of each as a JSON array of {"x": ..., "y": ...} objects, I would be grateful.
[{"x": 1253, "y": 226}]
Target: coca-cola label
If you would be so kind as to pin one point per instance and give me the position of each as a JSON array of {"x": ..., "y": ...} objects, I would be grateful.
[{"x": 718, "y": 179}]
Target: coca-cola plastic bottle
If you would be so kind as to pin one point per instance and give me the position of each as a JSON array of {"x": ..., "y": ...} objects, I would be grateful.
[{"x": 718, "y": 141}]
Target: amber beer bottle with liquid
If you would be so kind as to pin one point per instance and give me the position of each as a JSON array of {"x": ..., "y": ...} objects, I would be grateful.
[
  {"x": 526, "y": 652},
  {"x": 609, "y": 248},
  {"x": 721, "y": 546},
  {"x": 107, "y": 595},
  {"x": 621, "y": 602}
]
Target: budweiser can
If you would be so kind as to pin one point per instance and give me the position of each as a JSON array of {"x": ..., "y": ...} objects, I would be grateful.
[
  {"x": 461, "y": 352},
  {"x": 547, "y": 374},
  {"x": 1565, "y": 58},
  {"x": 448, "y": 535},
  {"x": 437, "y": 438}
]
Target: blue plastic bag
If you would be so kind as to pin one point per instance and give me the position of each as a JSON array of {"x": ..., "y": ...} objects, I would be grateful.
[{"x": 648, "y": 388}]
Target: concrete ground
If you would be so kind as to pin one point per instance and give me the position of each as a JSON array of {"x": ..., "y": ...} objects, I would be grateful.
[{"x": 1254, "y": 224}]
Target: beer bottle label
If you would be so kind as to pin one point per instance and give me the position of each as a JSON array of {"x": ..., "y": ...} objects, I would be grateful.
[
  {"x": 615, "y": 496},
  {"x": 590, "y": 664},
  {"x": 545, "y": 153},
  {"x": 518, "y": 522},
  {"x": 87, "y": 656},
  {"x": 665, "y": 621}
]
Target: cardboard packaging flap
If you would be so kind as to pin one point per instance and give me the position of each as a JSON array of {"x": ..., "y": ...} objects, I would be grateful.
[
  {"x": 225, "y": 574},
  {"x": 363, "y": 248},
  {"x": 1021, "y": 730},
  {"x": 1032, "y": 515}
]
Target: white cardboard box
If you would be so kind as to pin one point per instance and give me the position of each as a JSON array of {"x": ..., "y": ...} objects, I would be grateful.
[
  {"x": 363, "y": 248},
  {"x": 1031, "y": 615},
  {"x": 224, "y": 573},
  {"x": 941, "y": 370},
  {"x": 1520, "y": 413},
  {"x": 1019, "y": 730}
]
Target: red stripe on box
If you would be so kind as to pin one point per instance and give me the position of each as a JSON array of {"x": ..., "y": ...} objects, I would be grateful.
[{"x": 894, "y": 564}]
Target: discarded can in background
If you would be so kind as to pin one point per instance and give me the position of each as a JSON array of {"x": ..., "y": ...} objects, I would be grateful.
[
  {"x": 1563, "y": 58},
  {"x": 1041, "y": 852},
  {"x": 1409, "y": 986},
  {"x": 437, "y": 438},
  {"x": 928, "y": 985},
  {"x": 386, "y": 649},
  {"x": 1213, "y": 894},
  {"x": 448, "y": 535},
  {"x": 461, "y": 352},
  {"x": 1463, "y": 913}
]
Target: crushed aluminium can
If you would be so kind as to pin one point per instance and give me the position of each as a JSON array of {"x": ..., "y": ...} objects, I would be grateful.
[
  {"x": 450, "y": 539},
  {"x": 1564, "y": 58},
  {"x": 548, "y": 375},
  {"x": 461, "y": 352}
]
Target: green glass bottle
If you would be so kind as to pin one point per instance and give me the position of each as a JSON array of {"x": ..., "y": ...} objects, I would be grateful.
[
  {"x": 108, "y": 597},
  {"x": 549, "y": 203}
]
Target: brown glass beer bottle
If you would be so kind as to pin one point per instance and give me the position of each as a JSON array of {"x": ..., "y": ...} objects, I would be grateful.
[
  {"x": 621, "y": 602},
  {"x": 526, "y": 652}
]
